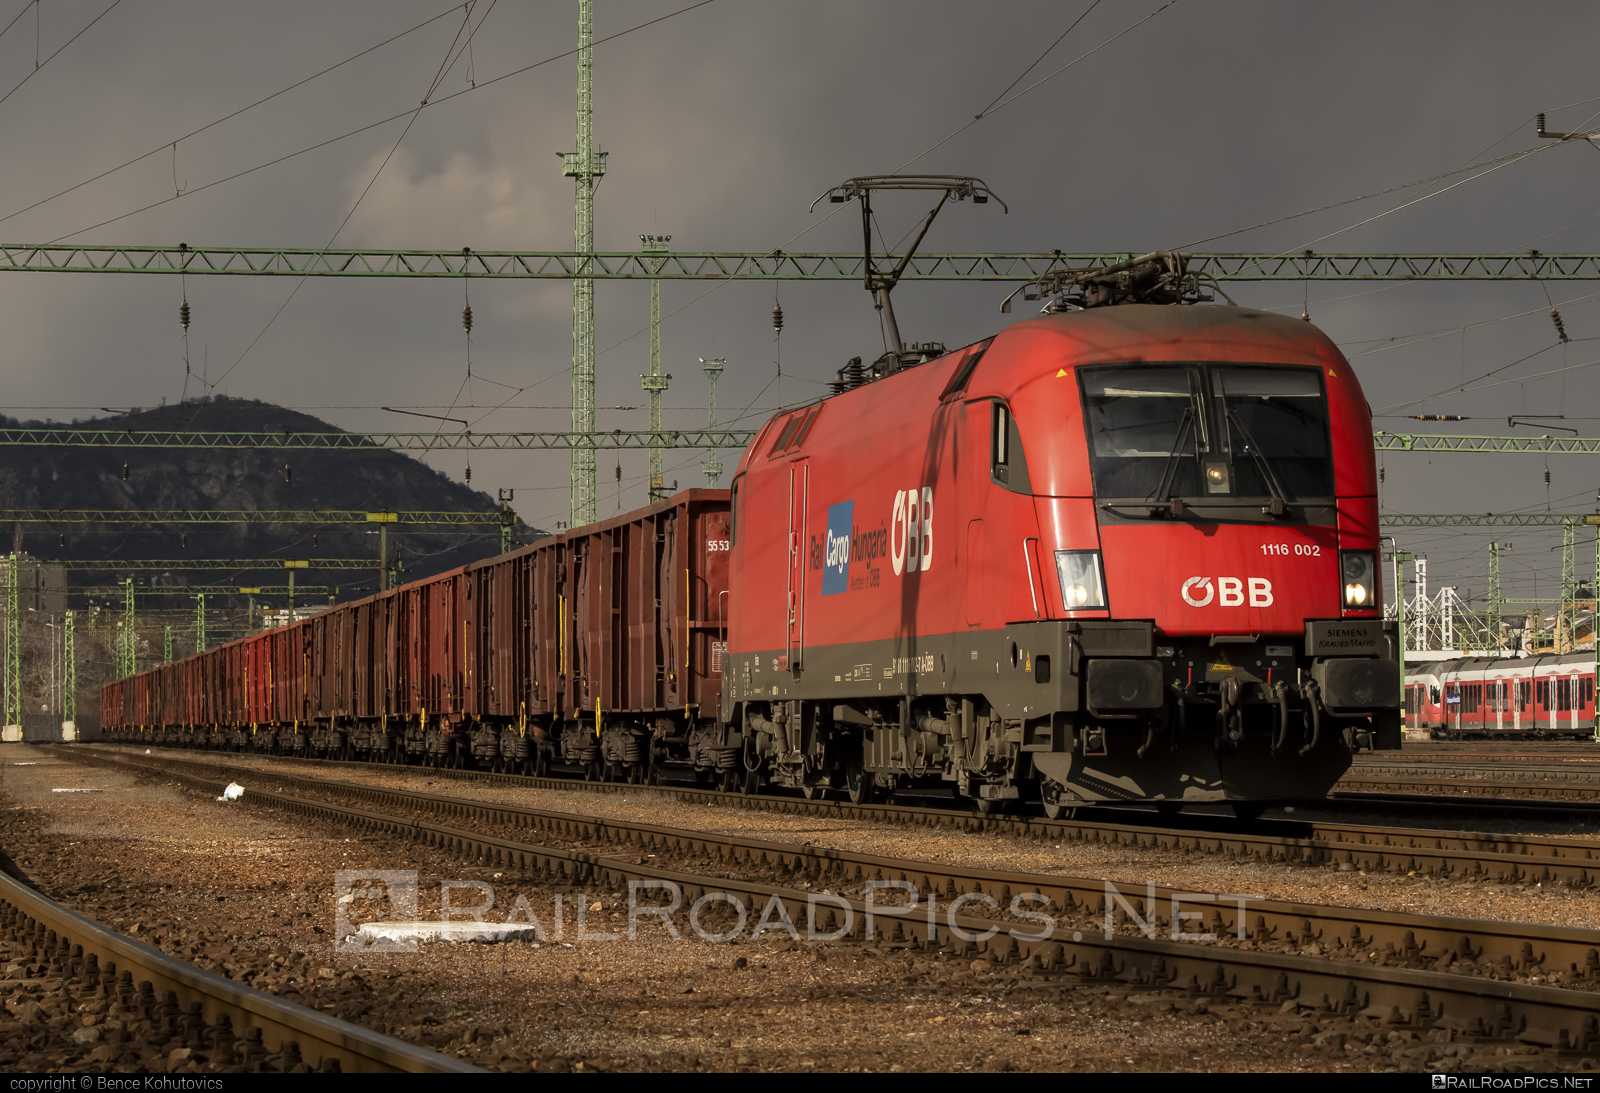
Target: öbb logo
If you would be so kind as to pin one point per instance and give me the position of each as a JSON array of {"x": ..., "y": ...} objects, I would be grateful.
[
  {"x": 911, "y": 533},
  {"x": 1228, "y": 592}
]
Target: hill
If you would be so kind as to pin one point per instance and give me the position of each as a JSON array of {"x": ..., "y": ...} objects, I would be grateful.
[{"x": 212, "y": 479}]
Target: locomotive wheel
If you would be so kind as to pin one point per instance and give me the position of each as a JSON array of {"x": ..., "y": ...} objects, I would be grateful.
[
  {"x": 750, "y": 783},
  {"x": 1248, "y": 810},
  {"x": 728, "y": 781},
  {"x": 813, "y": 793},
  {"x": 1169, "y": 808},
  {"x": 1055, "y": 810},
  {"x": 990, "y": 806}
]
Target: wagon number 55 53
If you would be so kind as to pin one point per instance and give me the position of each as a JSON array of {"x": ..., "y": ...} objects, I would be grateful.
[
  {"x": 713, "y": 545},
  {"x": 1303, "y": 550}
]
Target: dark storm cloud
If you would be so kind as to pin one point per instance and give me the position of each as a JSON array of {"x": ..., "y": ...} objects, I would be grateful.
[{"x": 723, "y": 124}]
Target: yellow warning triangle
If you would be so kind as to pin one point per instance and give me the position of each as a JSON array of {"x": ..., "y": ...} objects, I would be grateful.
[{"x": 1061, "y": 373}]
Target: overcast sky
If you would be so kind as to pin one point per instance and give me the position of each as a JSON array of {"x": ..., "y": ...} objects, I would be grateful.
[{"x": 723, "y": 124}]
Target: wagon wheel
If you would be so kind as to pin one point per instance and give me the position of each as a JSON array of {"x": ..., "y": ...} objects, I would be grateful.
[
  {"x": 858, "y": 784},
  {"x": 637, "y": 774},
  {"x": 592, "y": 772},
  {"x": 541, "y": 762},
  {"x": 705, "y": 777},
  {"x": 750, "y": 783},
  {"x": 814, "y": 793},
  {"x": 1057, "y": 806},
  {"x": 990, "y": 806}
]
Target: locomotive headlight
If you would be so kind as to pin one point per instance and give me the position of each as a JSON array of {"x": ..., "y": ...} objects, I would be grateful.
[
  {"x": 1359, "y": 569},
  {"x": 1082, "y": 586}
]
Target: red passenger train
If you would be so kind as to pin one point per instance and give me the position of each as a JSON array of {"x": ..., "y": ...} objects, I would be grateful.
[
  {"x": 1544, "y": 696},
  {"x": 1125, "y": 553}
]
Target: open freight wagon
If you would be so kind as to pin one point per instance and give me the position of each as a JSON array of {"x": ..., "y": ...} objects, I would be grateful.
[{"x": 598, "y": 648}]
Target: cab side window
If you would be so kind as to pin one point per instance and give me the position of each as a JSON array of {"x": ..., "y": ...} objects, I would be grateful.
[{"x": 1007, "y": 467}]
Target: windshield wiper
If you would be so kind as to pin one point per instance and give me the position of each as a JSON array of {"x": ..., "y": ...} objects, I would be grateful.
[
  {"x": 1280, "y": 500},
  {"x": 1185, "y": 426}
]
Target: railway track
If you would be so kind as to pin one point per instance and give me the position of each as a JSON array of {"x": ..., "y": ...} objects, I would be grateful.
[
  {"x": 232, "y": 1024},
  {"x": 1508, "y": 784},
  {"x": 1496, "y": 857},
  {"x": 1383, "y": 965}
]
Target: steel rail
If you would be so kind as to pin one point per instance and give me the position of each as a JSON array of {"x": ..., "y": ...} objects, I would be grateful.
[
  {"x": 1475, "y": 1008},
  {"x": 1534, "y": 787},
  {"x": 1341, "y": 927},
  {"x": 84, "y": 950},
  {"x": 1501, "y": 771}
]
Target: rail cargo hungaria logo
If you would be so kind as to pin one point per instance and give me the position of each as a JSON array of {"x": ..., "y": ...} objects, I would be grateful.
[{"x": 836, "y": 549}]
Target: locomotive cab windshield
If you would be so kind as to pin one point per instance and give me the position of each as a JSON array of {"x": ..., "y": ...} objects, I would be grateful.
[{"x": 1160, "y": 434}]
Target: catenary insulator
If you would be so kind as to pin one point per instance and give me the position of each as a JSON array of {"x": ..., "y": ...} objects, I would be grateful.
[
  {"x": 183, "y": 314},
  {"x": 124, "y": 472},
  {"x": 286, "y": 472},
  {"x": 777, "y": 319},
  {"x": 469, "y": 472},
  {"x": 466, "y": 318},
  {"x": 1561, "y": 327},
  {"x": 1380, "y": 474},
  {"x": 1547, "y": 478}
]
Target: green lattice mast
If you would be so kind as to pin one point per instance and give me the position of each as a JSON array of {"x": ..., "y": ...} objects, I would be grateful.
[
  {"x": 655, "y": 383},
  {"x": 1494, "y": 644},
  {"x": 69, "y": 671},
  {"x": 13, "y": 646},
  {"x": 712, "y": 465},
  {"x": 130, "y": 655},
  {"x": 584, "y": 167}
]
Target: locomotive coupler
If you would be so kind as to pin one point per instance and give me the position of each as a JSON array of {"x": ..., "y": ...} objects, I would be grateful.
[{"x": 1230, "y": 721}]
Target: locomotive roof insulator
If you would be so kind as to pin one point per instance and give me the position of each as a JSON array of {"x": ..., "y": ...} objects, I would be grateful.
[{"x": 1160, "y": 277}]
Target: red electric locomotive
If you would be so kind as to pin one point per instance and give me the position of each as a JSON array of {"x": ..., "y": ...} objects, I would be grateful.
[{"x": 1121, "y": 553}]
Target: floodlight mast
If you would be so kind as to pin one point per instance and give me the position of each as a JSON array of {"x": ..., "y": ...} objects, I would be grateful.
[{"x": 881, "y": 283}]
